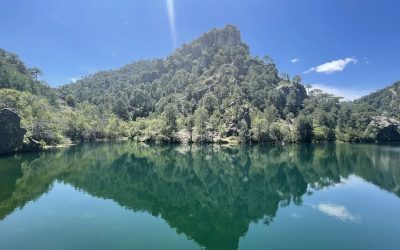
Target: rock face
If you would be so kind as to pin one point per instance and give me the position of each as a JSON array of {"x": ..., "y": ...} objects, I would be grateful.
[
  {"x": 228, "y": 36},
  {"x": 11, "y": 133},
  {"x": 384, "y": 129}
]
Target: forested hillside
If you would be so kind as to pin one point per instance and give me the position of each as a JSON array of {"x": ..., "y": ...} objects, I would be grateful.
[
  {"x": 46, "y": 117},
  {"x": 14, "y": 74},
  {"x": 385, "y": 101},
  {"x": 217, "y": 64},
  {"x": 211, "y": 89}
]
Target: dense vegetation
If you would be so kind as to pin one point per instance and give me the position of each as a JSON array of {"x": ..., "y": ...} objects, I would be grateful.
[
  {"x": 209, "y": 90},
  {"x": 46, "y": 117}
]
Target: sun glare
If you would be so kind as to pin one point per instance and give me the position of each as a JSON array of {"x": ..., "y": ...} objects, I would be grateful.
[{"x": 171, "y": 20}]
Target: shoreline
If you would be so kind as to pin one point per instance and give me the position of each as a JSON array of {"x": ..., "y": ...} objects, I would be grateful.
[{"x": 226, "y": 143}]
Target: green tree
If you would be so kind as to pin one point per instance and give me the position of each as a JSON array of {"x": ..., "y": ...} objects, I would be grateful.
[
  {"x": 70, "y": 100},
  {"x": 121, "y": 108},
  {"x": 35, "y": 72},
  {"x": 201, "y": 115},
  {"x": 170, "y": 116},
  {"x": 190, "y": 123},
  {"x": 210, "y": 102},
  {"x": 304, "y": 128},
  {"x": 276, "y": 132},
  {"x": 215, "y": 121},
  {"x": 270, "y": 114},
  {"x": 259, "y": 128},
  {"x": 297, "y": 79},
  {"x": 243, "y": 131}
]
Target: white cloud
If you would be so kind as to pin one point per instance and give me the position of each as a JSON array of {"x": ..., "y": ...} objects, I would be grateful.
[
  {"x": 295, "y": 60},
  {"x": 333, "y": 66},
  {"x": 347, "y": 94},
  {"x": 337, "y": 211}
]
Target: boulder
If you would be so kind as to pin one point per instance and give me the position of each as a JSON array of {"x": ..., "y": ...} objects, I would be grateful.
[
  {"x": 383, "y": 129},
  {"x": 11, "y": 133}
]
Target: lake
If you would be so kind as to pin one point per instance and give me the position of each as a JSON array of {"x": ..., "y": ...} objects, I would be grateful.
[{"x": 136, "y": 196}]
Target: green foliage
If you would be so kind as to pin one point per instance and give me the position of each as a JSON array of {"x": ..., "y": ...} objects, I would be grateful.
[
  {"x": 320, "y": 133},
  {"x": 59, "y": 124},
  {"x": 211, "y": 87},
  {"x": 201, "y": 122},
  {"x": 215, "y": 123},
  {"x": 41, "y": 120},
  {"x": 260, "y": 129},
  {"x": 383, "y": 102},
  {"x": 170, "y": 116},
  {"x": 15, "y": 75},
  {"x": 243, "y": 131},
  {"x": 190, "y": 123},
  {"x": 304, "y": 128},
  {"x": 210, "y": 103}
]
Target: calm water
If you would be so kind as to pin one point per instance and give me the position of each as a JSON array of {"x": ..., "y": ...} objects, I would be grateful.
[{"x": 132, "y": 196}]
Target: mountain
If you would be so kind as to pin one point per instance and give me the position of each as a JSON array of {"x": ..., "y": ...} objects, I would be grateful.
[
  {"x": 211, "y": 89},
  {"x": 218, "y": 62},
  {"x": 215, "y": 71}
]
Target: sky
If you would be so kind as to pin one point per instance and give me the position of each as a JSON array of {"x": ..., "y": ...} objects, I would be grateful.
[{"x": 346, "y": 47}]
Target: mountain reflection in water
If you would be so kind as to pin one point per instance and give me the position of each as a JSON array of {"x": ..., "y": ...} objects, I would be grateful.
[{"x": 210, "y": 193}]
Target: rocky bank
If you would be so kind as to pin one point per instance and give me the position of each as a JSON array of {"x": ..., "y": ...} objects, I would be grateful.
[{"x": 12, "y": 134}]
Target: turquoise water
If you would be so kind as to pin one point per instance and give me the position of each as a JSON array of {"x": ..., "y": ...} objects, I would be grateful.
[{"x": 133, "y": 196}]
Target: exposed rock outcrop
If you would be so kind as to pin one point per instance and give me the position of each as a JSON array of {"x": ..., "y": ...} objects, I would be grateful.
[
  {"x": 12, "y": 134},
  {"x": 228, "y": 36},
  {"x": 383, "y": 129}
]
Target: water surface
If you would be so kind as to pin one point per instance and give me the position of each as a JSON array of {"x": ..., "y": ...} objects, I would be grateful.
[{"x": 133, "y": 196}]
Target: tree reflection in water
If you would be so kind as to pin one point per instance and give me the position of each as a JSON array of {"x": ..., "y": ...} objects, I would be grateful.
[{"x": 210, "y": 193}]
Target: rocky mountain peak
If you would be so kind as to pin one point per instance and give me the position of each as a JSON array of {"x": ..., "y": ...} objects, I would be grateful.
[{"x": 227, "y": 36}]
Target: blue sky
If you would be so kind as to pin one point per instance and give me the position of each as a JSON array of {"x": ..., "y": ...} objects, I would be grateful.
[{"x": 348, "y": 47}]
